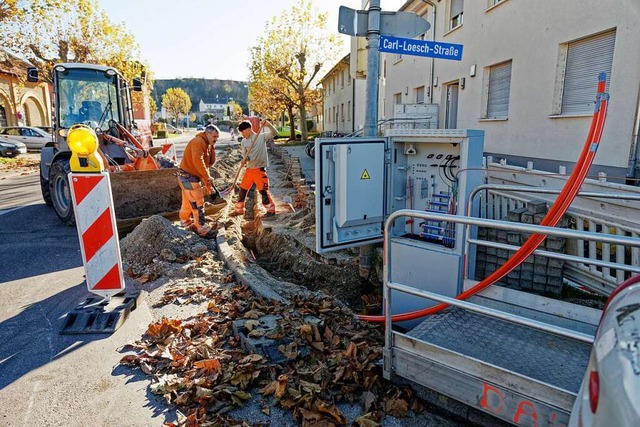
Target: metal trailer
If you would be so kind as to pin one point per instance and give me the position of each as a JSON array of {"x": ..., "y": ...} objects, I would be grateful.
[{"x": 518, "y": 356}]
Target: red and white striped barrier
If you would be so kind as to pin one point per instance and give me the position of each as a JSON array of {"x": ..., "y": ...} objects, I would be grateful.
[
  {"x": 169, "y": 150},
  {"x": 96, "y": 222}
]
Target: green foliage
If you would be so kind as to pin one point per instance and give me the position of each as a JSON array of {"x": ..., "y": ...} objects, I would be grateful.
[
  {"x": 309, "y": 125},
  {"x": 205, "y": 89}
]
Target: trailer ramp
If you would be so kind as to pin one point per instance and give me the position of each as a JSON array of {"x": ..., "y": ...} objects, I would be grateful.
[{"x": 519, "y": 374}]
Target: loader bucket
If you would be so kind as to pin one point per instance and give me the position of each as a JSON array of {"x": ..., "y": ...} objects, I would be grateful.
[{"x": 140, "y": 194}]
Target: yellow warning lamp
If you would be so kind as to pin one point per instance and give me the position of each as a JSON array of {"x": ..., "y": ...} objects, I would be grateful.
[{"x": 83, "y": 143}]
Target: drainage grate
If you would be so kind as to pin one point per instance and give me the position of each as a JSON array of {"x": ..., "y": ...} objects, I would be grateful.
[{"x": 100, "y": 316}]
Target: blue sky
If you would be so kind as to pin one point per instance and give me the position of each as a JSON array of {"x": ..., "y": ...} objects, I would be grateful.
[{"x": 208, "y": 38}]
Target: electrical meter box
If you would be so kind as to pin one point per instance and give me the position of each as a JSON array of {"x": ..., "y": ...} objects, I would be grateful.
[{"x": 361, "y": 181}]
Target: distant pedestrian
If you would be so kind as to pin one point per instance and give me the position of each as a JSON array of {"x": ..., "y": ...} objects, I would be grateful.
[
  {"x": 195, "y": 179},
  {"x": 256, "y": 158}
]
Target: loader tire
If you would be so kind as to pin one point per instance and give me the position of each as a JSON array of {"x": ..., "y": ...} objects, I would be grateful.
[
  {"x": 60, "y": 191},
  {"x": 44, "y": 187}
]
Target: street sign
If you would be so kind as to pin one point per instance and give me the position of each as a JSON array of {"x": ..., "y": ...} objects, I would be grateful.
[
  {"x": 421, "y": 48},
  {"x": 400, "y": 24}
]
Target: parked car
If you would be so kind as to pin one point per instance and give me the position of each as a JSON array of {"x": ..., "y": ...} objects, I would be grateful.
[
  {"x": 32, "y": 137},
  {"x": 10, "y": 148},
  {"x": 173, "y": 129},
  {"x": 610, "y": 391},
  {"x": 199, "y": 128},
  {"x": 285, "y": 132},
  {"x": 47, "y": 129}
]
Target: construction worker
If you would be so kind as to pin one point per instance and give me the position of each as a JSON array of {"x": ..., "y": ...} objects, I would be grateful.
[
  {"x": 195, "y": 179},
  {"x": 255, "y": 157}
]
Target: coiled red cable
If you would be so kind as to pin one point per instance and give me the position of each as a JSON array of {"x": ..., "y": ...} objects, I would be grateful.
[{"x": 555, "y": 213}]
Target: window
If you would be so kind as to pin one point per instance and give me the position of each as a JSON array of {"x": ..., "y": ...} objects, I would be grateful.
[
  {"x": 349, "y": 111},
  {"x": 498, "y": 91},
  {"x": 342, "y": 112},
  {"x": 456, "y": 12},
  {"x": 419, "y": 95},
  {"x": 397, "y": 98},
  {"x": 342, "y": 78},
  {"x": 491, "y": 3},
  {"x": 585, "y": 59}
]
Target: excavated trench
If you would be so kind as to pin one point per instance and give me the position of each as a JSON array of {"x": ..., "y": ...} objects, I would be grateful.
[{"x": 284, "y": 246}]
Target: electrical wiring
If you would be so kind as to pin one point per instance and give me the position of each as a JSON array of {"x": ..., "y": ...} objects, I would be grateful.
[{"x": 555, "y": 213}]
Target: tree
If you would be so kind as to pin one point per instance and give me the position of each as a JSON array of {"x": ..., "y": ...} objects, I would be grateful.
[
  {"x": 176, "y": 102},
  {"x": 293, "y": 49},
  {"x": 46, "y": 32}
]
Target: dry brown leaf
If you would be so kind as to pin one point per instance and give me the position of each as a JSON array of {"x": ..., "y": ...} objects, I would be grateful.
[
  {"x": 252, "y": 358},
  {"x": 367, "y": 400},
  {"x": 209, "y": 365},
  {"x": 281, "y": 386},
  {"x": 256, "y": 333},
  {"x": 366, "y": 420},
  {"x": 332, "y": 411},
  {"x": 352, "y": 350},
  {"x": 164, "y": 327},
  {"x": 250, "y": 325},
  {"x": 305, "y": 330},
  {"x": 129, "y": 359},
  {"x": 398, "y": 408}
]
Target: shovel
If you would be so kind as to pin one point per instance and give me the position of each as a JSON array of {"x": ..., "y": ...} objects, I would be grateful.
[{"x": 227, "y": 191}]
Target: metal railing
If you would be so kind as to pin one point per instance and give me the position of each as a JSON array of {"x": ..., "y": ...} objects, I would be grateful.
[
  {"x": 599, "y": 274},
  {"x": 389, "y": 285}
]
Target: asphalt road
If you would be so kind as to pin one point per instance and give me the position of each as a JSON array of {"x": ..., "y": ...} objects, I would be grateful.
[{"x": 46, "y": 378}]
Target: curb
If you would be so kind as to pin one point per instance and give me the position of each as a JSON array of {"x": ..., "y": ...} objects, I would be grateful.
[{"x": 236, "y": 262}]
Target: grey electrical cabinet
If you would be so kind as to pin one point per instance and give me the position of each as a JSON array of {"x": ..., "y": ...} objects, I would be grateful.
[
  {"x": 351, "y": 176},
  {"x": 361, "y": 181}
]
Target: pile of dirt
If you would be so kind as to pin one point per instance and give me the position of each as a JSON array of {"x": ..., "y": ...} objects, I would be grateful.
[{"x": 156, "y": 246}]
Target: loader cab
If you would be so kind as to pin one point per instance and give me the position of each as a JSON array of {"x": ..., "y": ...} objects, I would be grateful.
[{"x": 89, "y": 94}]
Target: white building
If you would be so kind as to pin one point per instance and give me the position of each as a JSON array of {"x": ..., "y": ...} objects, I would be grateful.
[
  {"x": 343, "y": 99},
  {"x": 528, "y": 77}
]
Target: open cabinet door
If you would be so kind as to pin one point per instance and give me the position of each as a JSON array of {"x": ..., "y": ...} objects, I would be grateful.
[{"x": 351, "y": 180}]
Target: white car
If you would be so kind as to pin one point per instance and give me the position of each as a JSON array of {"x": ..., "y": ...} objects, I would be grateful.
[
  {"x": 610, "y": 391},
  {"x": 33, "y": 138}
]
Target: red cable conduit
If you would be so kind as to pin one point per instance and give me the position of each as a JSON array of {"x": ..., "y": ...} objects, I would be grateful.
[{"x": 557, "y": 210}]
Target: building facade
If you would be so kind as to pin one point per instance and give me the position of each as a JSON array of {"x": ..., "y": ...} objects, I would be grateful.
[
  {"x": 22, "y": 103},
  {"x": 528, "y": 77},
  {"x": 343, "y": 100}
]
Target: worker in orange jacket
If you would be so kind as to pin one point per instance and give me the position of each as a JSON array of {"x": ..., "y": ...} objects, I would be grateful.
[
  {"x": 195, "y": 179},
  {"x": 254, "y": 148}
]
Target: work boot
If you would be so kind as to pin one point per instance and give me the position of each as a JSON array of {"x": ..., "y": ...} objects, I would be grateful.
[
  {"x": 203, "y": 230},
  {"x": 271, "y": 209},
  {"x": 238, "y": 209}
]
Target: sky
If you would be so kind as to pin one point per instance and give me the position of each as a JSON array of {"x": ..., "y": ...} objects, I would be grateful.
[{"x": 209, "y": 38}]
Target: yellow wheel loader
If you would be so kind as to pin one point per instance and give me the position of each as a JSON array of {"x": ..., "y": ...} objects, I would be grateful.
[{"x": 99, "y": 97}]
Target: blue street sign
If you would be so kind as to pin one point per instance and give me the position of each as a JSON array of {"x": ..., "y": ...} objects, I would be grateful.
[{"x": 421, "y": 48}]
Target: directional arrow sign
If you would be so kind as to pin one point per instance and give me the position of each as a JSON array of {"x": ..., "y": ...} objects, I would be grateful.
[
  {"x": 421, "y": 48},
  {"x": 399, "y": 24}
]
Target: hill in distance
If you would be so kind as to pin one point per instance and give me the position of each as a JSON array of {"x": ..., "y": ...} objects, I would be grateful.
[{"x": 209, "y": 90}]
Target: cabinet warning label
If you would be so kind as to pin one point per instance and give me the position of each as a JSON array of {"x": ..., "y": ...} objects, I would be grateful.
[{"x": 365, "y": 175}]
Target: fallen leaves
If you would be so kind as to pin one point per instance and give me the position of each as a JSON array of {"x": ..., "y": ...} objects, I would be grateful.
[{"x": 330, "y": 358}]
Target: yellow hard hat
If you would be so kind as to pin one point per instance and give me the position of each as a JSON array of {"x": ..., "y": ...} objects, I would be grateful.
[{"x": 82, "y": 140}]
